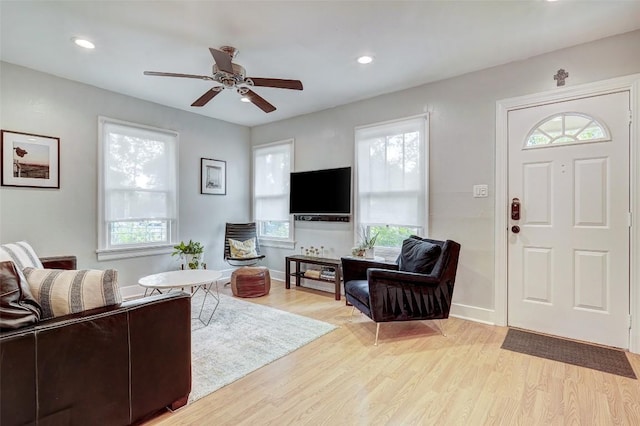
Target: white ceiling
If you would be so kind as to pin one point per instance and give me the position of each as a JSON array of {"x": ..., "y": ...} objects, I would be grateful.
[{"x": 316, "y": 42}]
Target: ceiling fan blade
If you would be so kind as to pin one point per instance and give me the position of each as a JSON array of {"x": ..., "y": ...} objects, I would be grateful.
[
  {"x": 172, "y": 74},
  {"x": 223, "y": 60},
  {"x": 259, "y": 101},
  {"x": 208, "y": 95},
  {"x": 277, "y": 82}
]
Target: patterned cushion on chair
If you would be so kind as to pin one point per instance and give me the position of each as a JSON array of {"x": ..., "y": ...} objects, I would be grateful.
[
  {"x": 61, "y": 292},
  {"x": 243, "y": 249},
  {"x": 21, "y": 253}
]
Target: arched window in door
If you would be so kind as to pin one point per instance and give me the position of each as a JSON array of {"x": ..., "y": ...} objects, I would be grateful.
[{"x": 567, "y": 128}]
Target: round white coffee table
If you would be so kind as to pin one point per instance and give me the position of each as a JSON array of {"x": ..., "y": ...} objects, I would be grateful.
[{"x": 196, "y": 279}]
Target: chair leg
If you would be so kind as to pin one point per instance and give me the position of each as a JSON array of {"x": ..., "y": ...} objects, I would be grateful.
[
  {"x": 377, "y": 333},
  {"x": 351, "y": 316},
  {"x": 440, "y": 326}
]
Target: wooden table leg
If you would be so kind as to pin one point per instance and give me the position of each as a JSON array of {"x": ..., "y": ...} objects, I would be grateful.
[
  {"x": 338, "y": 281},
  {"x": 287, "y": 274}
]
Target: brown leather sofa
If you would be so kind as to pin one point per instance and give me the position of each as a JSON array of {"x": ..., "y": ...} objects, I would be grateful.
[{"x": 115, "y": 365}]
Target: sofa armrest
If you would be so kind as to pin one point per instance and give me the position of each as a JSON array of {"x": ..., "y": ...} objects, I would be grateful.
[
  {"x": 356, "y": 269},
  {"x": 59, "y": 262},
  {"x": 160, "y": 333}
]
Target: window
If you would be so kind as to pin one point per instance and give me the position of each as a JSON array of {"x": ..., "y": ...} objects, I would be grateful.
[
  {"x": 566, "y": 128},
  {"x": 392, "y": 182},
  {"x": 138, "y": 189},
  {"x": 272, "y": 165}
]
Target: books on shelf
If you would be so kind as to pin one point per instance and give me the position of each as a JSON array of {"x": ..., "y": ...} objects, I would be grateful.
[{"x": 328, "y": 274}]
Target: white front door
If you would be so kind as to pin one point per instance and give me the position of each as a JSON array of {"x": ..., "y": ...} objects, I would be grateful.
[{"x": 568, "y": 263}]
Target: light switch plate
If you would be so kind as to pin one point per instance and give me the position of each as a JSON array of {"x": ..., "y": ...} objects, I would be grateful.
[{"x": 480, "y": 191}]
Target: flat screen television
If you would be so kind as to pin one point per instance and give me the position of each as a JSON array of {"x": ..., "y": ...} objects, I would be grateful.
[{"x": 322, "y": 192}]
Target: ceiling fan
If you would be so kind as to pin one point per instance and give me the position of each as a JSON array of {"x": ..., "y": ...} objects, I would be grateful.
[{"x": 233, "y": 76}]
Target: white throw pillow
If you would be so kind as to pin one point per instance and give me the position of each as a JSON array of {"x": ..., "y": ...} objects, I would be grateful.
[{"x": 62, "y": 292}]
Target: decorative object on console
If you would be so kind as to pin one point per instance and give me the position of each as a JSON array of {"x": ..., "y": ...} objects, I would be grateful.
[
  {"x": 312, "y": 273},
  {"x": 312, "y": 251},
  {"x": 367, "y": 244},
  {"x": 213, "y": 176},
  {"x": 30, "y": 160},
  {"x": 191, "y": 253}
]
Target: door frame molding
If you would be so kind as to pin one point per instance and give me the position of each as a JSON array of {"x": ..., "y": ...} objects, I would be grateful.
[{"x": 631, "y": 83}]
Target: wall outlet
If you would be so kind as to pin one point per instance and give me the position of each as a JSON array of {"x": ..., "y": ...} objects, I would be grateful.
[{"x": 480, "y": 191}]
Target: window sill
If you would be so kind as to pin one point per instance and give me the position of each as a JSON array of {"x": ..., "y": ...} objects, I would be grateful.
[
  {"x": 129, "y": 252},
  {"x": 270, "y": 242}
]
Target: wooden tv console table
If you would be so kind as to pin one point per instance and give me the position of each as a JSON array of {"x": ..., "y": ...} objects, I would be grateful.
[{"x": 336, "y": 264}]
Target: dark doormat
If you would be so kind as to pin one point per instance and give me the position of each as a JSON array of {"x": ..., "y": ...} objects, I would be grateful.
[{"x": 608, "y": 360}]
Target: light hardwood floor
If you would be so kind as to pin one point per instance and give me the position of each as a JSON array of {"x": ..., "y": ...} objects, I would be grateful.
[{"x": 415, "y": 376}]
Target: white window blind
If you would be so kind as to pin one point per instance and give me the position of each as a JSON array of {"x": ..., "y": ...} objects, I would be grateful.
[
  {"x": 272, "y": 165},
  {"x": 138, "y": 185},
  {"x": 391, "y": 174}
]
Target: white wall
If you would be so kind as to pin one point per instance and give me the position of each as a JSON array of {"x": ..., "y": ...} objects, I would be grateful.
[
  {"x": 64, "y": 221},
  {"x": 462, "y": 150}
]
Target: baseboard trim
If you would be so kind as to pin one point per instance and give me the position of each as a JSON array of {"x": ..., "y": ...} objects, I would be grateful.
[
  {"x": 276, "y": 275},
  {"x": 473, "y": 313}
]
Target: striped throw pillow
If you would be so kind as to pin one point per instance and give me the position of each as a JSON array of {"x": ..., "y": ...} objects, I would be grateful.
[
  {"x": 21, "y": 253},
  {"x": 62, "y": 292}
]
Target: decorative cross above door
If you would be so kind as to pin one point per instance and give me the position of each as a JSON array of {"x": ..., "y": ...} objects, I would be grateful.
[{"x": 560, "y": 77}]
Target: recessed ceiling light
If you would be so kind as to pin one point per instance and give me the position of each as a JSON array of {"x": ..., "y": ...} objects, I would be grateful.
[
  {"x": 245, "y": 99},
  {"x": 83, "y": 43},
  {"x": 365, "y": 59}
]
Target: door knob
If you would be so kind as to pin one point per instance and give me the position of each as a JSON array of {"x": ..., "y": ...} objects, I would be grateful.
[{"x": 515, "y": 229}]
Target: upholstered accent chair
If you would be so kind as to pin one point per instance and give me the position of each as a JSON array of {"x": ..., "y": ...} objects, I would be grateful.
[
  {"x": 419, "y": 286},
  {"x": 241, "y": 233}
]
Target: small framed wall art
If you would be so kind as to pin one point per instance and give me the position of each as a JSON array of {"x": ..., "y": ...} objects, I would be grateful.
[
  {"x": 30, "y": 160},
  {"x": 213, "y": 176}
]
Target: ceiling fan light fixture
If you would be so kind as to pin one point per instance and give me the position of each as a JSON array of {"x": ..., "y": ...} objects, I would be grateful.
[
  {"x": 233, "y": 76},
  {"x": 83, "y": 42},
  {"x": 365, "y": 60}
]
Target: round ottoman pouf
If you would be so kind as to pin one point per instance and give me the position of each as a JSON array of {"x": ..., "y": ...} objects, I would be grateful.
[{"x": 250, "y": 281}]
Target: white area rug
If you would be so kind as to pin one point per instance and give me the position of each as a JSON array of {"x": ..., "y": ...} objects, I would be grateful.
[{"x": 241, "y": 338}]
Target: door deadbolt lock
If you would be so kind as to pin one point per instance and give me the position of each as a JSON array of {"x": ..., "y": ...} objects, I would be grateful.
[
  {"x": 515, "y": 209},
  {"x": 515, "y": 229}
]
